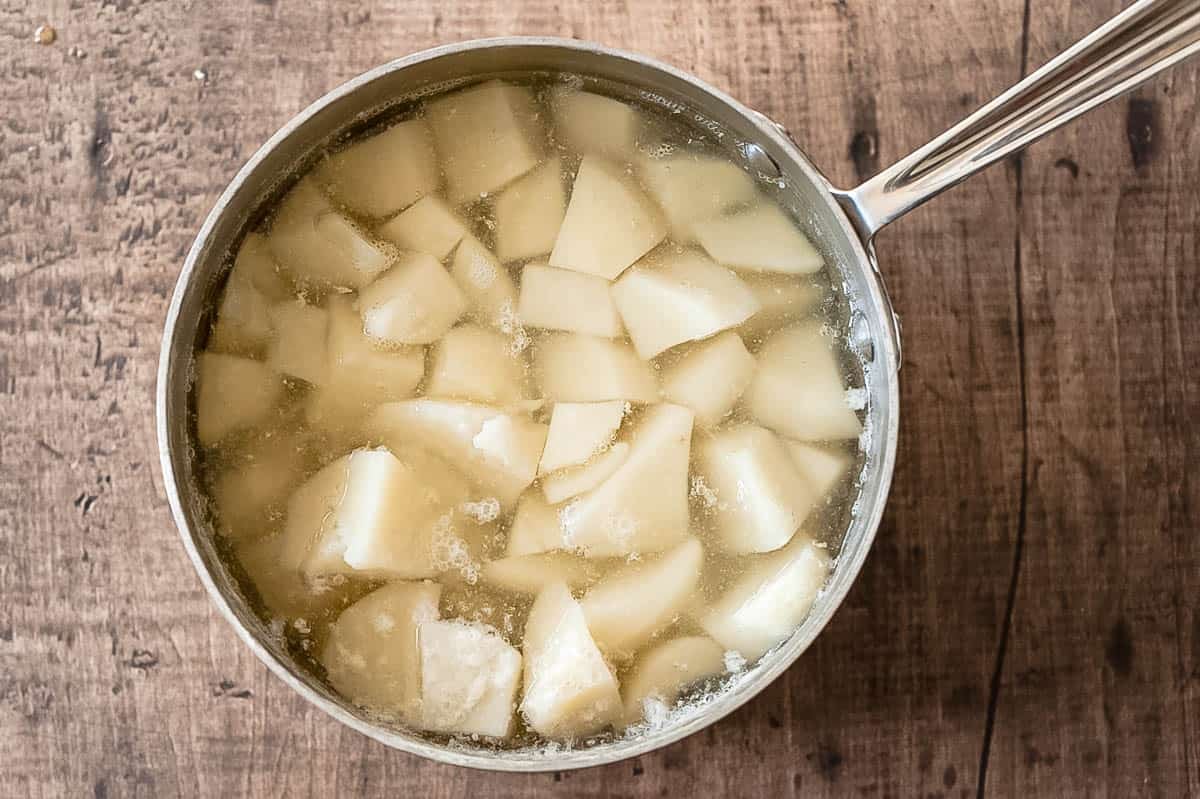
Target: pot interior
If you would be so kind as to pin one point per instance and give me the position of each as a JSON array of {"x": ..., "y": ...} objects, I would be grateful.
[{"x": 749, "y": 137}]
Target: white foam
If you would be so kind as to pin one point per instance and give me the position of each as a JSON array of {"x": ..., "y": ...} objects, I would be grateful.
[
  {"x": 703, "y": 492},
  {"x": 483, "y": 511}
]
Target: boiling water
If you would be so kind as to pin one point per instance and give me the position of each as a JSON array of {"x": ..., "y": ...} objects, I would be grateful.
[{"x": 252, "y": 470}]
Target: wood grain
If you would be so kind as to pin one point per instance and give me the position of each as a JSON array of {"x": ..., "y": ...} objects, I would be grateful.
[{"x": 1027, "y": 623}]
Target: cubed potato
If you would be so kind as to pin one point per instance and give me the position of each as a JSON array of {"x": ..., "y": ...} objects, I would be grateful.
[
  {"x": 578, "y": 430},
  {"x": 782, "y": 300},
  {"x": 690, "y": 187},
  {"x": 316, "y": 242},
  {"x": 256, "y": 263},
  {"x": 571, "y": 367},
  {"x": 498, "y": 451},
  {"x": 476, "y": 363},
  {"x": 822, "y": 467},
  {"x": 298, "y": 345},
  {"x": 610, "y": 223},
  {"x": 759, "y": 239},
  {"x": 529, "y": 574},
  {"x": 569, "y": 691},
  {"x": 663, "y": 672},
  {"x": 592, "y": 124},
  {"x": 761, "y": 496},
  {"x": 429, "y": 225},
  {"x": 415, "y": 302},
  {"x": 770, "y": 601},
  {"x": 243, "y": 326},
  {"x": 283, "y": 591},
  {"x": 372, "y": 657},
  {"x": 469, "y": 677},
  {"x": 710, "y": 377},
  {"x": 250, "y": 493},
  {"x": 643, "y": 507},
  {"x": 627, "y": 608},
  {"x": 575, "y": 480},
  {"x": 385, "y": 172},
  {"x": 535, "y": 527},
  {"x": 232, "y": 394},
  {"x": 559, "y": 299},
  {"x": 374, "y": 514},
  {"x": 366, "y": 372},
  {"x": 797, "y": 389},
  {"x": 487, "y": 136},
  {"x": 487, "y": 284},
  {"x": 677, "y": 296},
  {"x": 529, "y": 213}
]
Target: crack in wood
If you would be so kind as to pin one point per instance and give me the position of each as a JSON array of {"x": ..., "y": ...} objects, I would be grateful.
[{"x": 989, "y": 727}]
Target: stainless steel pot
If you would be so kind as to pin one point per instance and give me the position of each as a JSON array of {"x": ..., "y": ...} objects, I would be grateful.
[{"x": 1143, "y": 40}]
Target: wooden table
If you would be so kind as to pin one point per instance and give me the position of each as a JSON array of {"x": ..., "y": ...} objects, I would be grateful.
[{"x": 1027, "y": 623}]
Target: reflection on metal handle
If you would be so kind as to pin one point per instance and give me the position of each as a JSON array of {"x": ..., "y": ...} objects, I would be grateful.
[{"x": 1141, "y": 41}]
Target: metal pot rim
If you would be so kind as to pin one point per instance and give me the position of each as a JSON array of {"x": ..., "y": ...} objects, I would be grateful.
[{"x": 886, "y": 357}]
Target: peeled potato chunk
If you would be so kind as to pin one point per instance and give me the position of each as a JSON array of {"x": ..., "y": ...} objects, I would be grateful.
[
  {"x": 371, "y": 655},
  {"x": 529, "y": 574},
  {"x": 250, "y": 494},
  {"x": 609, "y": 224},
  {"x": 664, "y": 671},
  {"x": 361, "y": 371},
  {"x": 782, "y": 299},
  {"x": 643, "y": 507},
  {"x": 768, "y": 603},
  {"x": 298, "y": 345},
  {"x": 535, "y": 527},
  {"x": 374, "y": 514},
  {"x": 797, "y": 389},
  {"x": 486, "y": 135},
  {"x": 475, "y": 363},
  {"x": 575, "y": 480},
  {"x": 529, "y": 213},
  {"x": 675, "y": 297},
  {"x": 761, "y": 496},
  {"x": 626, "y": 609},
  {"x": 383, "y": 173},
  {"x": 710, "y": 377},
  {"x": 821, "y": 467},
  {"x": 318, "y": 243},
  {"x": 569, "y": 690},
  {"x": 256, "y": 263},
  {"x": 415, "y": 302},
  {"x": 571, "y": 367},
  {"x": 469, "y": 677},
  {"x": 760, "y": 239},
  {"x": 486, "y": 284},
  {"x": 559, "y": 299},
  {"x": 593, "y": 124},
  {"x": 496, "y": 450},
  {"x": 232, "y": 394},
  {"x": 243, "y": 326},
  {"x": 578, "y": 430},
  {"x": 428, "y": 225},
  {"x": 693, "y": 187}
]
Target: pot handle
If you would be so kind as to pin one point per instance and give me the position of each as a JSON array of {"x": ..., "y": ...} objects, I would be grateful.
[{"x": 1138, "y": 43}]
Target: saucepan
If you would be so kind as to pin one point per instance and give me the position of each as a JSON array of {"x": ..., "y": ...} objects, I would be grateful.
[{"x": 1146, "y": 38}]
